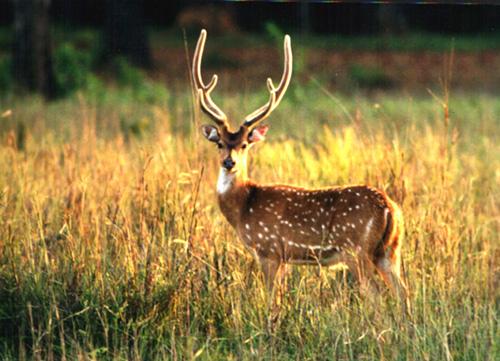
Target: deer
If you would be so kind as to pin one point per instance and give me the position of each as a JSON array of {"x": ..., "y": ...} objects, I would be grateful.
[{"x": 358, "y": 225}]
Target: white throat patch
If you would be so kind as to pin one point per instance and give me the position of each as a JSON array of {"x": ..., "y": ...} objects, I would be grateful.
[{"x": 225, "y": 181}]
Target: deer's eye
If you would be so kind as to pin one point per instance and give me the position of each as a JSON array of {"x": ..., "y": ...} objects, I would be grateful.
[
  {"x": 244, "y": 146},
  {"x": 219, "y": 145}
]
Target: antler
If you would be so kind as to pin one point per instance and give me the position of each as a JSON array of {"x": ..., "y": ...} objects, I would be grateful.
[
  {"x": 276, "y": 94},
  {"x": 207, "y": 105}
]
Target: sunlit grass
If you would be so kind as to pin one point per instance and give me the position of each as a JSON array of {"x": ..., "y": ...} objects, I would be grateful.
[{"x": 112, "y": 246}]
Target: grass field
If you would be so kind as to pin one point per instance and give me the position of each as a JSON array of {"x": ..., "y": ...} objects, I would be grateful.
[{"x": 112, "y": 246}]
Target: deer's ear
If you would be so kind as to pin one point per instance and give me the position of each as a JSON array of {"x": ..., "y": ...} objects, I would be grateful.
[
  {"x": 210, "y": 132},
  {"x": 258, "y": 134}
]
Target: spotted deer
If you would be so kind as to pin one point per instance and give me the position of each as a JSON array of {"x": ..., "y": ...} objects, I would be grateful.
[{"x": 359, "y": 226}]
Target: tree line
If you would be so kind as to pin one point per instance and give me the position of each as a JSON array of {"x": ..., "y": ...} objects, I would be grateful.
[
  {"x": 123, "y": 25},
  {"x": 123, "y": 34}
]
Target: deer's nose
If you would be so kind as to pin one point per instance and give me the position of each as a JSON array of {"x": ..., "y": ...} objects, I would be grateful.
[{"x": 228, "y": 163}]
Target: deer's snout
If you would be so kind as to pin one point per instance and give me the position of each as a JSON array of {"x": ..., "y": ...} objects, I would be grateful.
[{"x": 228, "y": 163}]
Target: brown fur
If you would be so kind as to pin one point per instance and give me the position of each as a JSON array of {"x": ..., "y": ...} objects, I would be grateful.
[{"x": 357, "y": 225}]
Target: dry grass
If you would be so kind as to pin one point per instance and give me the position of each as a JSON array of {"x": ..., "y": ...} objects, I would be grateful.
[{"x": 112, "y": 246}]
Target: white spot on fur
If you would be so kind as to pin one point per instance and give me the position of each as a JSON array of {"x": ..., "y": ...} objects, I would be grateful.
[{"x": 368, "y": 228}]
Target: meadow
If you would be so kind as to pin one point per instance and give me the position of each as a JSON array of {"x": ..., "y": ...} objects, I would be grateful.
[{"x": 112, "y": 246}]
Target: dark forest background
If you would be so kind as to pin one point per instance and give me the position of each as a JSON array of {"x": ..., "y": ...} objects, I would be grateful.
[
  {"x": 349, "y": 18},
  {"x": 124, "y": 26}
]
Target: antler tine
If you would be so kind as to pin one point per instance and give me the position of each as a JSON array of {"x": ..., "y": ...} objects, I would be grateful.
[
  {"x": 203, "y": 91},
  {"x": 277, "y": 94},
  {"x": 264, "y": 111}
]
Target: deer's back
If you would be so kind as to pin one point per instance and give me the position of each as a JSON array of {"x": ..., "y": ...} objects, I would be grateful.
[{"x": 308, "y": 226}]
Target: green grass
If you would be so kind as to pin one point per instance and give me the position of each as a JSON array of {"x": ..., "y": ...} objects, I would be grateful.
[{"x": 112, "y": 246}]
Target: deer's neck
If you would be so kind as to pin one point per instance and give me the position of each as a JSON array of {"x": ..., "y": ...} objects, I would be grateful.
[{"x": 232, "y": 191}]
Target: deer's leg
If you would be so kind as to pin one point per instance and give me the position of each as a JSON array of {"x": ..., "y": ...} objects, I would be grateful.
[
  {"x": 362, "y": 268},
  {"x": 389, "y": 269},
  {"x": 271, "y": 268},
  {"x": 274, "y": 272}
]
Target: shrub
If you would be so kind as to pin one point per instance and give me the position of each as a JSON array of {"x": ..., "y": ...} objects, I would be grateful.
[
  {"x": 72, "y": 69},
  {"x": 142, "y": 88},
  {"x": 369, "y": 77},
  {"x": 274, "y": 32},
  {"x": 127, "y": 75}
]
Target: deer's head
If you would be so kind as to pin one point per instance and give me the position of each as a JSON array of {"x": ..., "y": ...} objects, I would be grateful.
[{"x": 233, "y": 146}]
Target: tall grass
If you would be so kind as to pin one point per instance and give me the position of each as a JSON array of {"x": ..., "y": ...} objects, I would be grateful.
[{"x": 112, "y": 246}]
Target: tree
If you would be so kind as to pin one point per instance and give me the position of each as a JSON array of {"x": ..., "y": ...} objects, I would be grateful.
[
  {"x": 32, "y": 48},
  {"x": 125, "y": 32}
]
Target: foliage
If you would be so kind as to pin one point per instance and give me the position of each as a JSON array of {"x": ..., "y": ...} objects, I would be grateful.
[
  {"x": 408, "y": 42},
  {"x": 274, "y": 32},
  {"x": 116, "y": 250},
  {"x": 134, "y": 79},
  {"x": 369, "y": 77},
  {"x": 72, "y": 69},
  {"x": 126, "y": 74}
]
